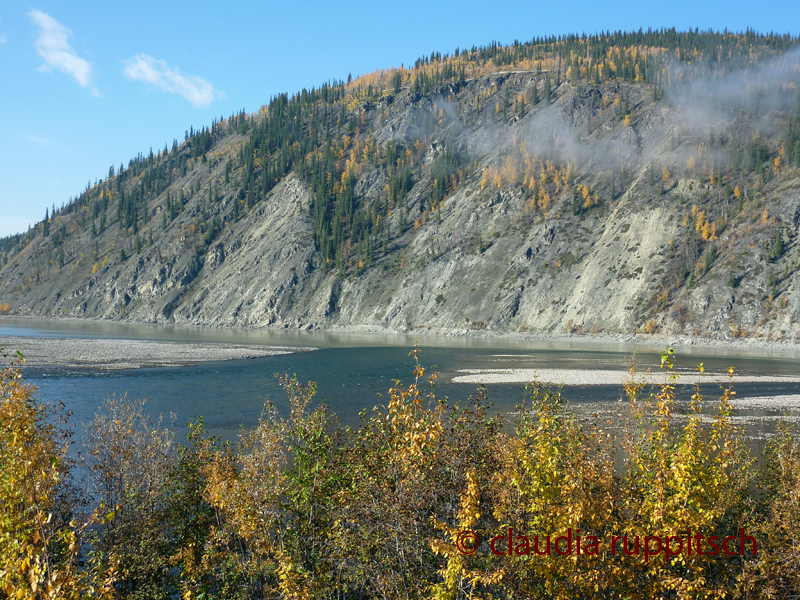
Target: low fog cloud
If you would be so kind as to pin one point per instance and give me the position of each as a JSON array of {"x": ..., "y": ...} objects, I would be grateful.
[{"x": 711, "y": 100}]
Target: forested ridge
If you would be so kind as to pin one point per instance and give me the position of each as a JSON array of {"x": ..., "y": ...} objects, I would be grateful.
[{"x": 570, "y": 128}]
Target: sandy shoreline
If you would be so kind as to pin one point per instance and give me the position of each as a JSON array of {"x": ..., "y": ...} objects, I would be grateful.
[
  {"x": 599, "y": 377},
  {"x": 104, "y": 353}
]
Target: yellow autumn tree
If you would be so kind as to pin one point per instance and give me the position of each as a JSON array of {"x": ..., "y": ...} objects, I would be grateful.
[
  {"x": 701, "y": 219},
  {"x": 38, "y": 551},
  {"x": 544, "y": 200},
  {"x": 587, "y": 197}
]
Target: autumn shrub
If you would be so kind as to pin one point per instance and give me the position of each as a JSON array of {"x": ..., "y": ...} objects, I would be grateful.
[
  {"x": 561, "y": 476},
  {"x": 131, "y": 462},
  {"x": 302, "y": 508},
  {"x": 776, "y": 524},
  {"x": 680, "y": 481},
  {"x": 312, "y": 511},
  {"x": 39, "y": 542},
  {"x": 411, "y": 461},
  {"x": 274, "y": 497},
  {"x": 205, "y": 555}
]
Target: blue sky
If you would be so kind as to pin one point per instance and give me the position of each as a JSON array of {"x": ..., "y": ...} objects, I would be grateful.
[{"x": 84, "y": 85}]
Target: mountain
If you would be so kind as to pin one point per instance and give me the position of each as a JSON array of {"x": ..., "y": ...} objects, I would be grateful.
[{"x": 621, "y": 182}]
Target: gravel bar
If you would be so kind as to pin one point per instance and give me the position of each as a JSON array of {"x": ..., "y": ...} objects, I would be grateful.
[
  {"x": 599, "y": 377},
  {"x": 103, "y": 353}
]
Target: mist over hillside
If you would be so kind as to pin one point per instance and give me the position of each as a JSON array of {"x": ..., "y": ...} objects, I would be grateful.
[{"x": 622, "y": 182}]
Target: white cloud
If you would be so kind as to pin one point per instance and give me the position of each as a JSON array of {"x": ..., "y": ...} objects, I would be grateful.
[
  {"x": 53, "y": 46},
  {"x": 195, "y": 89},
  {"x": 38, "y": 139}
]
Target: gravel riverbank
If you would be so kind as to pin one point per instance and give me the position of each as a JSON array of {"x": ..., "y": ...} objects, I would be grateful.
[
  {"x": 102, "y": 353},
  {"x": 598, "y": 377}
]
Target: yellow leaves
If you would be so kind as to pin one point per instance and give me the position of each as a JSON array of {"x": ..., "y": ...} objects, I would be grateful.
[
  {"x": 511, "y": 170},
  {"x": 29, "y": 475},
  {"x": 665, "y": 174},
  {"x": 293, "y": 584},
  {"x": 701, "y": 219},
  {"x": 544, "y": 200},
  {"x": 765, "y": 216},
  {"x": 469, "y": 513},
  {"x": 493, "y": 175},
  {"x": 709, "y": 231},
  {"x": 691, "y": 163}
]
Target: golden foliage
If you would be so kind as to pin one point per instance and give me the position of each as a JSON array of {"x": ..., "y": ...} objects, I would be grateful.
[
  {"x": 701, "y": 220},
  {"x": 300, "y": 508},
  {"x": 38, "y": 549}
]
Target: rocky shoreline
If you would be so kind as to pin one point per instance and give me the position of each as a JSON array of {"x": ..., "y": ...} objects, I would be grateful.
[{"x": 650, "y": 341}]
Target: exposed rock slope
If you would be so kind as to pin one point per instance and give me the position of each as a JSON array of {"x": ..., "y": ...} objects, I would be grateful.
[{"x": 628, "y": 252}]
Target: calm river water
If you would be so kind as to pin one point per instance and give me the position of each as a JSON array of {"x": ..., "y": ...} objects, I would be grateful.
[{"x": 352, "y": 371}]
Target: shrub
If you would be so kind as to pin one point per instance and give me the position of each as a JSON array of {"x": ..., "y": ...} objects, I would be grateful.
[{"x": 301, "y": 508}]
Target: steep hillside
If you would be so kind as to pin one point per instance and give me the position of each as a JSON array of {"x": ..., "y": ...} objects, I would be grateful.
[{"x": 622, "y": 182}]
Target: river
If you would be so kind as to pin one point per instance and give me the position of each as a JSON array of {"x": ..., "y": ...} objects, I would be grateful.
[{"x": 354, "y": 372}]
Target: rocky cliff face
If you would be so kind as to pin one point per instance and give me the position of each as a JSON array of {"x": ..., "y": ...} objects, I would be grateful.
[{"x": 634, "y": 233}]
